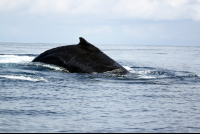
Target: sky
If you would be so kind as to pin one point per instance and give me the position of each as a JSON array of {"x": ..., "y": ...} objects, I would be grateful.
[{"x": 138, "y": 22}]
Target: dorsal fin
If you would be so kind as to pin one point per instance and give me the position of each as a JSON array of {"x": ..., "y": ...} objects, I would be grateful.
[
  {"x": 87, "y": 45},
  {"x": 83, "y": 41}
]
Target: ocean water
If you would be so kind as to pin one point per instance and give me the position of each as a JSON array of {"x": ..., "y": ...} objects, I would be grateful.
[{"x": 161, "y": 94}]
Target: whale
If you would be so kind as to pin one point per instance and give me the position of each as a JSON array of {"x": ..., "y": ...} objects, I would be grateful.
[{"x": 81, "y": 58}]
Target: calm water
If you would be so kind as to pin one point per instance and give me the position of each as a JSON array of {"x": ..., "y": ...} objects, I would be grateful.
[{"x": 162, "y": 93}]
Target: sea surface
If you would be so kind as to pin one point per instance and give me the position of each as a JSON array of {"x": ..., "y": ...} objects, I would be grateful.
[{"x": 161, "y": 94}]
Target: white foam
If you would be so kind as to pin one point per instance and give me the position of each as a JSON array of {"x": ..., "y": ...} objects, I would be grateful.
[
  {"x": 50, "y": 66},
  {"x": 147, "y": 77},
  {"x": 144, "y": 72},
  {"x": 23, "y": 78},
  {"x": 15, "y": 59},
  {"x": 127, "y": 68},
  {"x": 54, "y": 67}
]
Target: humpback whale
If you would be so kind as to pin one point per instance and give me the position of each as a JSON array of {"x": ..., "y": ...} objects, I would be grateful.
[{"x": 81, "y": 58}]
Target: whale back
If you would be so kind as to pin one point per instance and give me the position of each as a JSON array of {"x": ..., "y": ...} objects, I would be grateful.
[{"x": 81, "y": 58}]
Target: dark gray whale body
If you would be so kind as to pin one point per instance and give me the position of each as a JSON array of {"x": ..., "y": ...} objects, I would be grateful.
[{"x": 81, "y": 58}]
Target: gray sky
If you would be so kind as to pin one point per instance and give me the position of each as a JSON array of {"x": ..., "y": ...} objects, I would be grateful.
[{"x": 148, "y": 22}]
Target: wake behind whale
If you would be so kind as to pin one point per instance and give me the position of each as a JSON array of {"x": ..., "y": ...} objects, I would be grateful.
[{"x": 81, "y": 58}]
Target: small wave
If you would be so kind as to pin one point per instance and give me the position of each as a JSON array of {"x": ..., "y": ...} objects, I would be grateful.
[
  {"x": 15, "y": 59},
  {"x": 28, "y": 78},
  {"x": 54, "y": 67},
  {"x": 21, "y": 59},
  {"x": 49, "y": 66}
]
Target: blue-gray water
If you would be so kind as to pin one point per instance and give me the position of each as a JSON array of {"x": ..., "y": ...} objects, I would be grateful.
[{"x": 162, "y": 93}]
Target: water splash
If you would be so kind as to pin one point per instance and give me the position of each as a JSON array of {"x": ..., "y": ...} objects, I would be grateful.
[
  {"x": 20, "y": 77},
  {"x": 15, "y": 59}
]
